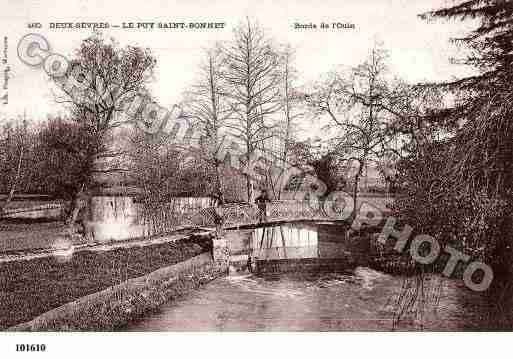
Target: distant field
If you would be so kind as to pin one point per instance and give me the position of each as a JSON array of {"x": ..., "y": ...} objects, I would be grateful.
[
  {"x": 27, "y": 200},
  {"x": 22, "y": 235},
  {"x": 28, "y": 204},
  {"x": 28, "y": 197},
  {"x": 19, "y": 235}
]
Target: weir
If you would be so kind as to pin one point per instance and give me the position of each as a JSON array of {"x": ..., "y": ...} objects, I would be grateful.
[{"x": 293, "y": 247}]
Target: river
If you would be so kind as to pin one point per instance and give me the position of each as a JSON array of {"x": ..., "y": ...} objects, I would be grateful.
[{"x": 360, "y": 299}]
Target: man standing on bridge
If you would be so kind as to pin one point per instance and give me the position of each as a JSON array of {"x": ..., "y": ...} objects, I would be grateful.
[{"x": 262, "y": 206}]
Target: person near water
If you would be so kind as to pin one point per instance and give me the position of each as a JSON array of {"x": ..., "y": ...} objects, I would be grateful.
[
  {"x": 218, "y": 197},
  {"x": 250, "y": 264},
  {"x": 218, "y": 200},
  {"x": 261, "y": 202}
]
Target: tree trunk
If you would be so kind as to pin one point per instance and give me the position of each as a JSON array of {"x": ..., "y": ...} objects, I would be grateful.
[
  {"x": 283, "y": 244},
  {"x": 249, "y": 188},
  {"x": 76, "y": 206},
  {"x": 14, "y": 183},
  {"x": 219, "y": 185},
  {"x": 355, "y": 189}
]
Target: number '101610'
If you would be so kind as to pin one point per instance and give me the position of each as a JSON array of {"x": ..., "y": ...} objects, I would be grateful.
[{"x": 30, "y": 347}]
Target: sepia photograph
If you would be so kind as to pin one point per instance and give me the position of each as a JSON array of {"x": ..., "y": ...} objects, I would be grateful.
[{"x": 246, "y": 167}]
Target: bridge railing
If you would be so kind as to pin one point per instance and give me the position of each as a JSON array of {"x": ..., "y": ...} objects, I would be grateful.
[
  {"x": 166, "y": 218},
  {"x": 246, "y": 214}
]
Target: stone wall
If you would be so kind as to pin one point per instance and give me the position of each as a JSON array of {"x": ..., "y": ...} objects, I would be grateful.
[
  {"x": 355, "y": 244},
  {"x": 304, "y": 265},
  {"x": 221, "y": 252}
]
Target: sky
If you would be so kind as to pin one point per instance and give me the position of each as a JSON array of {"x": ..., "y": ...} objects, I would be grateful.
[{"x": 419, "y": 50}]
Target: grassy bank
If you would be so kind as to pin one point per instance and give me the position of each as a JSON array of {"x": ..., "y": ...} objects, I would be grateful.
[
  {"x": 119, "y": 305},
  {"x": 29, "y": 288}
]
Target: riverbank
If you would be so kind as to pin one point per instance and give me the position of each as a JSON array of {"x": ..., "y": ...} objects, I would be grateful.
[
  {"x": 31, "y": 287},
  {"x": 122, "y": 304}
]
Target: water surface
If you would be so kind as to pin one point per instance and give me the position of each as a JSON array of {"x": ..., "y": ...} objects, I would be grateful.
[{"x": 355, "y": 300}]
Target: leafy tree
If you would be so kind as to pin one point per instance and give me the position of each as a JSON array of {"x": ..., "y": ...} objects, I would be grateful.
[
  {"x": 111, "y": 78},
  {"x": 480, "y": 163},
  {"x": 67, "y": 153},
  {"x": 320, "y": 162},
  {"x": 457, "y": 171}
]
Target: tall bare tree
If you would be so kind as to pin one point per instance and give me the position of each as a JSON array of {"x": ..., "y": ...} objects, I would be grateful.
[
  {"x": 278, "y": 149},
  {"x": 253, "y": 79},
  {"x": 207, "y": 107}
]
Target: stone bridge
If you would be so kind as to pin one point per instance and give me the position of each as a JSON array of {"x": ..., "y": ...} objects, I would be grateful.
[{"x": 352, "y": 249}]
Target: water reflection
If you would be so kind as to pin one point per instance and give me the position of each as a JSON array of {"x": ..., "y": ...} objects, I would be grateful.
[
  {"x": 285, "y": 242},
  {"x": 289, "y": 241}
]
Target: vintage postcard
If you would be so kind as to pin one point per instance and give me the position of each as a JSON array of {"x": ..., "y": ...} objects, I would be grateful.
[{"x": 247, "y": 166}]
